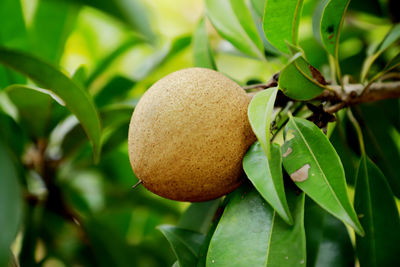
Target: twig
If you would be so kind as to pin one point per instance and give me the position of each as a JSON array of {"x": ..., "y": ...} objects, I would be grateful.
[
  {"x": 271, "y": 83},
  {"x": 137, "y": 184}
]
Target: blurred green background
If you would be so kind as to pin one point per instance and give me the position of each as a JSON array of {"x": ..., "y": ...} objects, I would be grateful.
[{"x": 75, "y": 212}]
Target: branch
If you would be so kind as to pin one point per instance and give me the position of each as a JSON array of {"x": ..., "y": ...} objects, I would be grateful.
[{"x": 355, "y": 94}]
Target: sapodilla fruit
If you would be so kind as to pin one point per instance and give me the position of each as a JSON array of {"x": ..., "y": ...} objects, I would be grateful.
[{"x": 188, "y": 135}]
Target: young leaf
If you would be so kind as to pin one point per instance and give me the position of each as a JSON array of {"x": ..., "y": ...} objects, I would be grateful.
[
  {"x": 234, "y": 22},
  {"x": 379, "y": 216},
  {"x": 260, "y": 116},
  {"x": 281, "y": 22},
  {"x": 202, "y": 53},
  {"x": 250, "y": 228},
  {"x": 198, "y": 216},
  {"x": 48, "y": 39},
  {"x": 10, "y": 203},
  {"x": 76, "y": 99},
  {"x": 332, "y": 17},
  {"x": 297, "y": 81},
  {"x": 312, "y": 163},
  {"x": 328, "y": 241},
  {"x": 266, "y": 176},
  {"x": 186, "y": 244},
  {"x": 391, "y": 37}
]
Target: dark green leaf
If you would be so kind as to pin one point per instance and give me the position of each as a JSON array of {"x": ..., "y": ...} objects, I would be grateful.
[
  {"x": 115, "y": 90},
  {"x": 186, "y": 244},
  {"x": 332, "y": 16},
  {"x": 379, "y": 216},
  {"x": 379, "y": 142},
  {"x": 313, "y": 164},
  {"x": 297, "y": 82},
  {"x": 48, "y": 39},
  {"x": 198, "y": 216},
  {"x": 12, "y": 34},
  {"x": 281, "y": 22},
  {"x": 250, "y": 228},
  {"x": 328, "y": 242},
  {"x": 266, "y": 176},
  {"x": 10, "y": 203},
  {"x": 12, "y": 134},
  {"x": 34, "y": 108},
  {"x": 76, "y": 99},
  {"x": 202, "y": 53},
  {"x": 234, "y": 22}
]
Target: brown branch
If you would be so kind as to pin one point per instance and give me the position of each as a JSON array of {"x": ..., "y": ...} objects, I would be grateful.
[{"x": 355, "y": 94}]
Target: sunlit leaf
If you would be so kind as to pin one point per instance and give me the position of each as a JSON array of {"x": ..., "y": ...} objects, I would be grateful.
[
  {"x": 105, "y": 63},
  {"x": 198, "y": 216},
  {"x": 202, "y": 53},
  {"x": 133, "y": 13},
  {"x": 391, "y": 37},
  {"x": 281, "y": 22},
  {"x": 48, "y": 39},
  {"x": 115, "y": 90},
  {"x": 328, "y": 242},
  {"x": 76, "y": 99},
  {"x": 266, "y": 176},
  {"x": 250, "y": 228},
  {"x": 297, "y": 81},
  {"x": 260, "y": 116},
  {"x": 379, "y": 216},
  {"x": 10, "y": 203},
  {"x": 233, "y": 20},
  {"x": 186, "y": 244},
  {"x": 330, "y": 23},
  {"x": 313, "y": 164}
]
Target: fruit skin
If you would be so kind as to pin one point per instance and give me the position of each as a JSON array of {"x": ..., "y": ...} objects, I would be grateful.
[{"x": 188, "y": 135}]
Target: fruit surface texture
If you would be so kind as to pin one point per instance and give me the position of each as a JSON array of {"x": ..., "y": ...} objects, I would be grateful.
[{"x": 188, "y": 135}]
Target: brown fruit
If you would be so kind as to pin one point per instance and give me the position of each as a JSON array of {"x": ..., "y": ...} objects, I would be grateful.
[{"x": 188, "y": 135}]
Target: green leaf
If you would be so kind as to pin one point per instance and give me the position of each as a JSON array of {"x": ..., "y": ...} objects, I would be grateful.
[
  {"x": 12, "y": 134},
  {"x": 48, "y": 39},
  {"x": 296, "y": 80},
  {"x": 34, "y": 108},
  {"x": 260, "y": 116},
  {"x": 330, "y": 25},
  {"x": 186, "y": 244},
  {"x": 250, "y": 228},
  {"x": 379, "y": 143},
  {"x": 105, "y": 63},
  {"x": 328, "y": 242},
  {"x": 13, "y": 34},
  {"x": 76, "y": 99},
  {"x": 281, "y": 22},
  {"x": 233, "y": 20},
  {"x": 379, "y": 216},
  {"x": 266, "y": 176},
  {"x": 115, "y": 90},
  {"x": 202, "y": 53},
  {"x": 391, "y": 37},
  {"x": 198, "y": 216},
  {"x": 313, "y": 164},
  {"x": 133, "y": 13},
  {"x": 10, "y": 203}
]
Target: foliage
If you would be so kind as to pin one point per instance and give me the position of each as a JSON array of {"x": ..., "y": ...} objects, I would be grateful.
[{"x": 323, "y": 187}]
